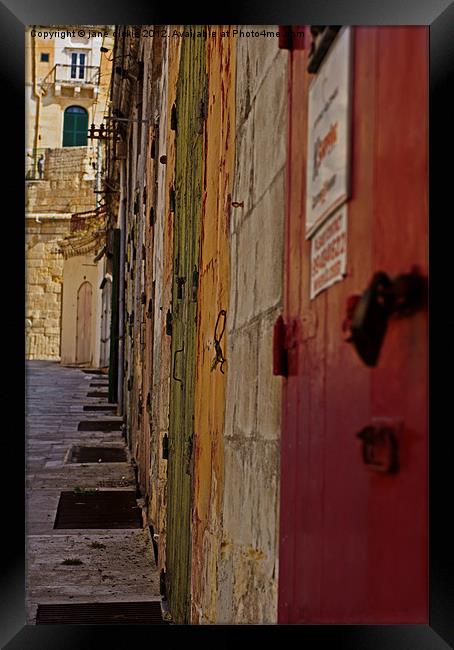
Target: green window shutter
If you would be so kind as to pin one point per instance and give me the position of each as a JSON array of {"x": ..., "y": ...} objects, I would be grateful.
[{"x": 75, "y": 127}]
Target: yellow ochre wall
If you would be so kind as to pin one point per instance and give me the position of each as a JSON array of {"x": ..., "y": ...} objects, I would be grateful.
[{"x": 213, "y": 297}]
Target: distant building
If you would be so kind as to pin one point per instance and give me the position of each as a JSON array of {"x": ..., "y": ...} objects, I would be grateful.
[{"x": 67, "y": 85}]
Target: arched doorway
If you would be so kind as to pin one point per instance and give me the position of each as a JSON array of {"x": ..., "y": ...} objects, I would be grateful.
[
  {"x": 75, "y": 127},
  {"x": 83, "y": 324}
]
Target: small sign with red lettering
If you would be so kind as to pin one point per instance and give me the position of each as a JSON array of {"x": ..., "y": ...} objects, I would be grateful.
[
  {"x": 328, "y": 153},
  {"x": 329, "y": 252}
]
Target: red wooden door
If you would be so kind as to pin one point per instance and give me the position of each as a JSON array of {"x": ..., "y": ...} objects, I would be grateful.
[
  {"x": 83, "y": 325},
  {"x": 353, "y": 541}
]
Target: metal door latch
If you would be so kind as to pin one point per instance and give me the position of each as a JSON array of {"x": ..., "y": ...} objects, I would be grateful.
[{"x": 380, "y": 446}]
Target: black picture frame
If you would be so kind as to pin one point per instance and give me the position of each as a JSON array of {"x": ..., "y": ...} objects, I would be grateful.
[{"x": 439, "y": 15}]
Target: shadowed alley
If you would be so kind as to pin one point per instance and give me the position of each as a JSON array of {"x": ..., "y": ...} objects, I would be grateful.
[{"x": 102, "y": 565}]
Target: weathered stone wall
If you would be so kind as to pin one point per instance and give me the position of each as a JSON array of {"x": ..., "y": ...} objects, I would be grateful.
[
  {"x": 44, "y": 272},
  {"x": 162, "y": 274},
  {"x": 67, "y": 187},
  {"x": 247, "y": 577},
  {"x": 68, "y": 182}
]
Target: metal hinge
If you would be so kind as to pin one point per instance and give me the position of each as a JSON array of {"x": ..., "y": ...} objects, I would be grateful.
[
  {"x": 169, "y": 323},
  {"x": 180, "y": 282},
  {"x": 203, "y": 110},
  {"x": 189, "y": 450},
  {"x": 172, "y": 199},
  {"x": 285, "y": 338},
  {"x": 165, "y": 447},
  {"x": 195, "y": 283},
  {"x": 173, "y": 117},
  {"x": 136, "y": 205}
]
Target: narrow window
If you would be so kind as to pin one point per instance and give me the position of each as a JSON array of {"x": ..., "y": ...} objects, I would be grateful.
[
  {"x": 73, "y": 65},
  {"x": 81, "y": 66}
]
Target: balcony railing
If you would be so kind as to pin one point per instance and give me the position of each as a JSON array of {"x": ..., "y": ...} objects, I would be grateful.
[
  {"x": 35, "y": 160},
  {"x": 72, "y": 74}
]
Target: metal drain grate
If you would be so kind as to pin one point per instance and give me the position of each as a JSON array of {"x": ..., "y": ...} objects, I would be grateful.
[
  {"x": 80, "y": 454},
  {"x": 100, "y": 407},
  {"x": 97, "y": 393},
  {"x": 99, "y": 425},
  {"x": 141, "y": 613},
  {"x": 103, "y": 509}
]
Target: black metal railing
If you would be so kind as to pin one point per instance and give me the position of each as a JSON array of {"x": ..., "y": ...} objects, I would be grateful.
[{"x": 35, "y": 161}]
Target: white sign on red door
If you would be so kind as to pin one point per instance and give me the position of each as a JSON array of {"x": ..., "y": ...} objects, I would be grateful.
[
  {"x": 329, "y": 252},
  {"x": 328, "y": 154}
]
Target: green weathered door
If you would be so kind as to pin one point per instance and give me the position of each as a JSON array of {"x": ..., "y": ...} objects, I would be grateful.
[
  {"x": 187, "y": 216},
  {"x": 75, "y": 127}
]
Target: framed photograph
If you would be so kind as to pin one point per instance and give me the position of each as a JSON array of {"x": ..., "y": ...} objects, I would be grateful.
[{"x": 222, "y": 239}]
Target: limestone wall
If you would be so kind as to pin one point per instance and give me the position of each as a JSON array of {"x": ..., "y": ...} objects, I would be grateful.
[
  {"x": 247, "y": 576},
  {"x": 68, "y": 183},
  {"x": 44, "y": 269}
]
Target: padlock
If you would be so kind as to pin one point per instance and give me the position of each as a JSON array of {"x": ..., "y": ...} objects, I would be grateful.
[{"x": 367, "y": 315}]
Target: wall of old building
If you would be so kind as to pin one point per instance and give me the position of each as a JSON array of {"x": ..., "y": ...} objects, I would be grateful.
[
  {"x": 67, "y": 187},
  {"x": 162, "y": 271},
  {"x": 68, "y": 182},
  {"x": 44, "y": 274},
  {"x": 213, "y": 299},
  {"x": 247, "y": 578}
]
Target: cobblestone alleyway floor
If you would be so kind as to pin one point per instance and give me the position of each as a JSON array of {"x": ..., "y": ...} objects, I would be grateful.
[{"x": 107, "y": 565}]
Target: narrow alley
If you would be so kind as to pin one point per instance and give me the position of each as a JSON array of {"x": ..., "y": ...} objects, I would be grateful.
[
  {"x": 79, "y": 565},
  {"x": 226, "y": 324}
]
